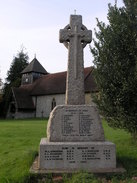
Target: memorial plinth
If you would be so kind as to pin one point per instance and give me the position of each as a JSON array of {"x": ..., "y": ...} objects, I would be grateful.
[
  {"x": 75, "y": 137},
  {"x": 76, "y": 156},
  {"x": 75, "y": 141}
]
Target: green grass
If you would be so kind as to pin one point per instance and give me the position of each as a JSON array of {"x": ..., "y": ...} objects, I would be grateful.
[
  {"x": 126, "y": 148},
  {"x": 19, "y": 143}
]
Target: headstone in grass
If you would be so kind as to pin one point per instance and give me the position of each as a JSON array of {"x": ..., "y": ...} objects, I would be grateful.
[{"x": 75, "y": 137}]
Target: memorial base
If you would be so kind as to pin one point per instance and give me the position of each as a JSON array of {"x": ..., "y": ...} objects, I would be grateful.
[
  {"x": 76, "y": 156},
  {"x": 36, "y": 170}
]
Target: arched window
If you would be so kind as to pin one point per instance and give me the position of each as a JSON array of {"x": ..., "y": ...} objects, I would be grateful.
[{"x": 53, "y": 104}]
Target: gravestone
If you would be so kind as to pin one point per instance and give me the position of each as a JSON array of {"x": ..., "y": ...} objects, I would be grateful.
[{"x": 75, "y": 137}]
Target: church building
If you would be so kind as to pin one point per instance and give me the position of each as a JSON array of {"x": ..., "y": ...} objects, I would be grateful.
[{"x": 41, "y": 91}]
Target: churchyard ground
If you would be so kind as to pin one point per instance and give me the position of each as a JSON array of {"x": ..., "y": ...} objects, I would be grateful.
[{"x": 19, "y": 143}]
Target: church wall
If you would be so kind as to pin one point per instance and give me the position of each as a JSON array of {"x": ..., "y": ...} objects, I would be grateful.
[
  {"x": 44, "y": 104},
  {"x": 23, "y": 115}
]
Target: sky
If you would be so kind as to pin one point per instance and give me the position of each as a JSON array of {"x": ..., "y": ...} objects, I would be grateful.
[{"x": 35, "y": 24}]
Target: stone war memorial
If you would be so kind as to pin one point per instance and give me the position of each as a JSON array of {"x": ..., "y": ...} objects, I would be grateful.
[{"x": 75, "y": 136}]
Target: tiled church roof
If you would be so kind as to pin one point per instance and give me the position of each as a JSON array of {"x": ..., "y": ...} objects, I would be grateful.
[
  {"x": 50, "y": 84},
  {"x": 23, "y": 98},
  {"x": 34, "y": 66},
  {"x": 56, "y": 83},
  {"x": 47, "y": 85}
]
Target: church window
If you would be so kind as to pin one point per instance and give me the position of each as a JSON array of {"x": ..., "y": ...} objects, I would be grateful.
[
  {"x": 53, "y": 104},
  {"x": 27, "y": 80}
]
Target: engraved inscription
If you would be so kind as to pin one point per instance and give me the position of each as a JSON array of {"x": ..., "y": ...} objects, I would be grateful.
[
  {"x": 67, "y": 127},
  {"x": 79, "y": 154},
  {"x": 107, "y": 154},
  {"x": 88, "y": 153},
  {"x": 69, "y": 154},
  {"x": 82, "y": 128},
  {"x": 54, "y": 155},
  {"x": 85, "y": 122}
]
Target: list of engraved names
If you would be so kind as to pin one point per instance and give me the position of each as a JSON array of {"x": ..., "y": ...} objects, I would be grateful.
[
  {"x": 84, "y": 126},
  {"x": 70, "y": 153}
]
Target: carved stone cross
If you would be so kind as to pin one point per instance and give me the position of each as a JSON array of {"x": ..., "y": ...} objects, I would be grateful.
[{"x": 75, "y": 37}]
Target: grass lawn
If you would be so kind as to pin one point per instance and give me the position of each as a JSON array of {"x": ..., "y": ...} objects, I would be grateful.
[
  {"x": 19, "y": 143},
  {"x": 126, "y": 149}
]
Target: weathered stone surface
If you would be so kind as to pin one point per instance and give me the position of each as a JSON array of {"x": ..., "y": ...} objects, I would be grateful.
[
  {"x": 75, "y": 37},
  {"x": 76, "y": 155},
  {"x": 75, "y": 137},
  {"x": 71, "y": 123},
  {"x": 36, "y": 170}
]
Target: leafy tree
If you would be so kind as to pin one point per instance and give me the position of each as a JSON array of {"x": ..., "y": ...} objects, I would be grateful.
[
  {"x": 115, "y": 59},
  {"x": 18, "y": 64},
  {"x": 14, "y": 76}
]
